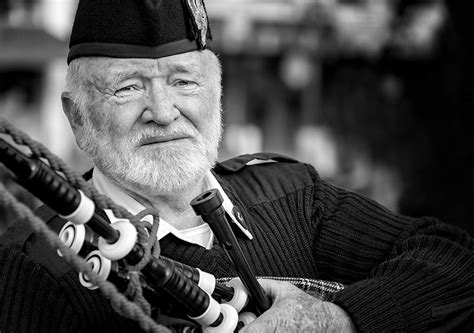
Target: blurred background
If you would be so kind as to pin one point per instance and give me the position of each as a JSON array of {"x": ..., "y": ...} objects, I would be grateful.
[{"x": 374, "y": 93}]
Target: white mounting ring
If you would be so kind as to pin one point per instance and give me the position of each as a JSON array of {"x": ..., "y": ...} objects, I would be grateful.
[
  {"x": 210, "y": 315},
  {"x": 241, "y": 295},
  {"x": 73, "y": 236},
  {"x": 100, "y": 265},
  {"x": 207, "y": 282},
  {"x": 83, "y": 212},
  {"x": 229, "y": 321},
  {"x": 125, "y": 243}
]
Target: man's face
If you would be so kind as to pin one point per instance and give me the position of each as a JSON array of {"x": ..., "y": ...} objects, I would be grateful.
[{"x": 154, "y": 124}]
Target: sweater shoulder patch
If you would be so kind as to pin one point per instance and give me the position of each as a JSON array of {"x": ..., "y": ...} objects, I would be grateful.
[{"x": 259, "y": 178}]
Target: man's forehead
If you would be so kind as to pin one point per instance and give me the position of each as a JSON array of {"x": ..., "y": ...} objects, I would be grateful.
[{"x": 186, "y": 62}]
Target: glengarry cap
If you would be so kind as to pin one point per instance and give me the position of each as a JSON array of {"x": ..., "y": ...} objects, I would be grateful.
[{"x": 138, "y": 28}]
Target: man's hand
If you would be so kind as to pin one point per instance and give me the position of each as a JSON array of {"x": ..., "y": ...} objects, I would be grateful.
[{"x": 293, "y": 310}]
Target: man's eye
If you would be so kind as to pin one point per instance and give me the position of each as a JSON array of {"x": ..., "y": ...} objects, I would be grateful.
[
  {"x": 184, "y": 83},
  {"x": 125, "y": 89}
]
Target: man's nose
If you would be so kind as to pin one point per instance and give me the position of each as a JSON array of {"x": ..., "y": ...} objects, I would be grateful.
[{"x": 160, "y": 107}]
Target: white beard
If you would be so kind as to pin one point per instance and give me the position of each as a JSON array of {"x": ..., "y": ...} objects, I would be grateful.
[{"x": 161, "y": 170}]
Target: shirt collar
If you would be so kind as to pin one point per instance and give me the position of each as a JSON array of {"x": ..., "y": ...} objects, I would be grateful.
[{"x": 120, "y": 197}]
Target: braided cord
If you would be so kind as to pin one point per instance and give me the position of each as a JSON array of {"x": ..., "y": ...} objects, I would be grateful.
[{"x": 139, "y": 309}]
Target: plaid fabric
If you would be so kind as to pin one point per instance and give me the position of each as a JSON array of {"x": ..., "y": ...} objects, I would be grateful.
[{"x": 324, "y": 290}]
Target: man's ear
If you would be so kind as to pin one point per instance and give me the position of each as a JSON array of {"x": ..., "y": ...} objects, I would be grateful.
[
  {"x": 71, "y": 112},
  {"x": 74, "y": 116},
  {"x": 68, "y": 105}
]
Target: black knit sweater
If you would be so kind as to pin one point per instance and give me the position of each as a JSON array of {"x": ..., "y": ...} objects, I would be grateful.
[{"x": 401, "y": 273}]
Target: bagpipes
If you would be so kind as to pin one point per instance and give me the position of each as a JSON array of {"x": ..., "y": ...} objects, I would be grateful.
[{"x": 111, "y": 250}]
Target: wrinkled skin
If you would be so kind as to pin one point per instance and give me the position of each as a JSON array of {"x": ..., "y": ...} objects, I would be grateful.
[{"x": 293, "y": 310}]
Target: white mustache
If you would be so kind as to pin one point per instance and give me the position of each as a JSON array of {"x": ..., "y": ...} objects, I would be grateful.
[{"x": 177, "y": 131}]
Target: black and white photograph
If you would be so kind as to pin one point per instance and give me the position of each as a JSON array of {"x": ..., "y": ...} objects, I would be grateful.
[{"x": 220, "y": 166}]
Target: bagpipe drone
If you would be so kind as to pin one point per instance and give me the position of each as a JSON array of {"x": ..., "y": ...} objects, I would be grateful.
[{"x": 110, "y": 249}]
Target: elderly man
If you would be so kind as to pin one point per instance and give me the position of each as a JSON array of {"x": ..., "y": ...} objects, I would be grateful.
[{"x": 143, "y": 99}]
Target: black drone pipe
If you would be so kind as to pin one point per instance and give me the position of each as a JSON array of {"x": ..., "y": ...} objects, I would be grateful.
[{"x": 209, "y": 206}]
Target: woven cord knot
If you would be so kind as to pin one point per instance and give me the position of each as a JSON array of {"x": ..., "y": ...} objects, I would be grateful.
[{"x": 147, "y": 238}]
